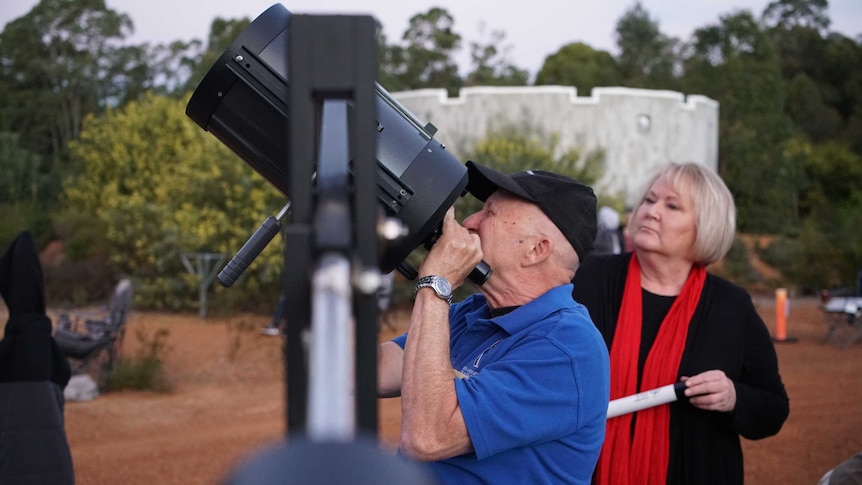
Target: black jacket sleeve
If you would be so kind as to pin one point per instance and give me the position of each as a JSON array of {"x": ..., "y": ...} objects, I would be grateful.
[{"x": 762, "y": 404}]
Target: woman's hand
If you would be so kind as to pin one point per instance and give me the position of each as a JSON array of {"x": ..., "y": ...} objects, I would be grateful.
[{"x": 711, "y": 390}]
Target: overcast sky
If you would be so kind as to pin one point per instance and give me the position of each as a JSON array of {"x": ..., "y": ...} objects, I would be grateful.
[{"x": 534, "y": 29}]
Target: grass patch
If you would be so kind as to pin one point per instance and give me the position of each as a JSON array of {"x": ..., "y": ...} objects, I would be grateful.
[{"x": 145, "y": 370}]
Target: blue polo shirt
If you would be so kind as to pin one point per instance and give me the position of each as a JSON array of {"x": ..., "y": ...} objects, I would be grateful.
[{"x": 534, "y": 391}]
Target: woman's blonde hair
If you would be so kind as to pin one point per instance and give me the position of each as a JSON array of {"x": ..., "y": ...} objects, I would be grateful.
[{"x": 715, "y": 210}]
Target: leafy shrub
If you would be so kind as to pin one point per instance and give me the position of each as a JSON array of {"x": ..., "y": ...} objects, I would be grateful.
[
  {"x": 736, "y": 267},
  {"x": 782, "y": 252},
  {"x": 150, "y": 186},
  {"x": 814, "y": 260}
]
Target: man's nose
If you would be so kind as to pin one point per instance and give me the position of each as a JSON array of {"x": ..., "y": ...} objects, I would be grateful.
[{"x": 471, "y": 222}]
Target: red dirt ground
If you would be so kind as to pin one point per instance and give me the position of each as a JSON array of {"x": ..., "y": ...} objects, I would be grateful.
[{"x": 228, "y": 401}]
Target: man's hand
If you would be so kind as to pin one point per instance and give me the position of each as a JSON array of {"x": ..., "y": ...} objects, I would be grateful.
[{"x": 454, "y": 254}]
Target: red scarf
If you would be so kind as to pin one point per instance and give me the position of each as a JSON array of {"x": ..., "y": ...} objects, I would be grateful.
[{"x": 642, "y": 459}]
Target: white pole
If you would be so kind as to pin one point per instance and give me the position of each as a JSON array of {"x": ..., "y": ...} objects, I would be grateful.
[
  {"x": 644, "y": 400},
  {"x": 331, "y": 396}
]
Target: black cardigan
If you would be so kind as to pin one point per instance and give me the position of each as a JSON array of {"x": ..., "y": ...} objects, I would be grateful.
[{"x": 725, "y": 333}]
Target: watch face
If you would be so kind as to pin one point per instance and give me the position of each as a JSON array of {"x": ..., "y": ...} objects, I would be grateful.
[{"x": 441, "y": 286}]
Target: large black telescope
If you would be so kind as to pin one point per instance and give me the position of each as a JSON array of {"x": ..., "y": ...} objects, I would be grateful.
[{"x": 243, "y": 102}]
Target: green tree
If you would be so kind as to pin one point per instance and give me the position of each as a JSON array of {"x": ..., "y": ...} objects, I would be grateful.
[
  {"x": 806, "y": 108},
  {"x": 175, "y": 66},
  {"x": 60, "y": 62},
  {"x": 188, "y": 56},
  {"x": 491, "y": 65},
  {"x": 20, "y": 177},
  {"x": 840, "y": 85},
  {"x": 825, "y": 251},
  {"x": 647, "y": 57},
  {"x": 800, "y": 48},
  {"x": 20, "y": 183},
  {"x": 795, "y": 13},
  {"x": 425, "y": 60},
  {"x": 151, "y": 186},
  {"x": 833, "y": 174},
  {"x": 821, "y": 69},
  {"x": 814, "y": 101},
  {"x": 735, "y": 63},
  {"x": 579, "y": 65},
  {"x": 390, "y": 61}
]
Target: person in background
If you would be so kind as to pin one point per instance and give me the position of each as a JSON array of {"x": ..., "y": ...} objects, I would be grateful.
[
  {"x": 608, "y": 232},
  {"x": 510, "y": 385},
  {"x": 273, "y": 329},
  {"x": 664, "y": 320}
]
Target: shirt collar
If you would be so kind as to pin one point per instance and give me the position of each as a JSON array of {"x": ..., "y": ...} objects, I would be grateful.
[{"x": 528, "y": 314}]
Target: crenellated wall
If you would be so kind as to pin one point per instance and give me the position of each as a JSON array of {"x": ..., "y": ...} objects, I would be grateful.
[{"x": 639, "y": 129}]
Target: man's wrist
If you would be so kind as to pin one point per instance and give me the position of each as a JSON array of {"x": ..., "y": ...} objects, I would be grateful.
[{"x": 439, "y": 284}]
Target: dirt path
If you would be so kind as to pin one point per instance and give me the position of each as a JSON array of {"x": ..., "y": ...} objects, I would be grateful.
[{"x": 228, "y": 402}]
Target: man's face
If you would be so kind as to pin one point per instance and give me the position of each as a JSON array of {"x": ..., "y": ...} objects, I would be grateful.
[{"x": 505, "y": 225}]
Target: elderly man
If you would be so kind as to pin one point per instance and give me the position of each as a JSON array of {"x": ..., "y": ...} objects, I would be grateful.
[{"x": 510, "y": 385}]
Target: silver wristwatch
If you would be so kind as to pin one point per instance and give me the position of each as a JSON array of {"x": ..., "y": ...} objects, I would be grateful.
[{"x": 439, "y": 284}]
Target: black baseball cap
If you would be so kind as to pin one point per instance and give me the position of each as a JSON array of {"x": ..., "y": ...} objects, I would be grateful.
[{"x": 569, "y": 204}]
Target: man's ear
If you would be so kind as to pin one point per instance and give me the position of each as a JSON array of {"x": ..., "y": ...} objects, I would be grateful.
[{"x": 541, "y": 249}]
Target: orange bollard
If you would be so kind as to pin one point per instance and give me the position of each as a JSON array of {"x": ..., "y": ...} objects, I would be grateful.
[{"x": 782, "y": 310}]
